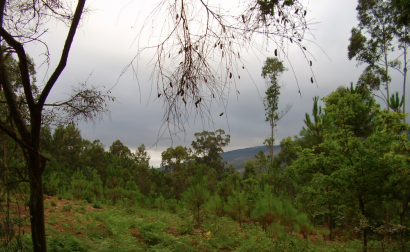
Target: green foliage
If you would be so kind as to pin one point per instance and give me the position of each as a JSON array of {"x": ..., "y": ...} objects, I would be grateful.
[
  {"x": 67, "y": 208},
  {"x": 236, "y": 205},
  {"x": 78, "y": 185},
  {"x": 119, "y": 149},
  {"x": 250, "y": 170},
  {"x": 53, "y": 183},
  {"x": 197, "y": 195},
  {"x": 95, "y": 187},
  {"x": 215, "y": 205},
  {"x": 208, "y": 146},
  {"x": 271, "y": 71},
  {"x": 395, "y": 103}
]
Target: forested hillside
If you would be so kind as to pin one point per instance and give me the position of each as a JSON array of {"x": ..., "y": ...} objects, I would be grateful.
[
  {"x": 342, "y": 183},
  {"x": 238, "y": 158}
]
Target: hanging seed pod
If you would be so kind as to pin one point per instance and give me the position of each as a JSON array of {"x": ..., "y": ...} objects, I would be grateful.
[
  {"x": 221, "y": 114},
  {"x": 276, "y": 52},
  {"x": 310, "y": 63},
  {"x": 297, "y": 10},
  {"x": 230, "y": 75},
  {"x": 304, "y": 14},
  {"x": 304, "y": 48},
  {"x": 159, "y": 95},
  {"x": 311, "y": 79}
]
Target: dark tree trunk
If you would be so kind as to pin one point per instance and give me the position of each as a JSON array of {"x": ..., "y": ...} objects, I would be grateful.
[
  {"x": 330, "y": 223},
  {"x": 405, "y": 204},
  {"x": 36, "y": 204},
  {"x": 364, "y": 232}
]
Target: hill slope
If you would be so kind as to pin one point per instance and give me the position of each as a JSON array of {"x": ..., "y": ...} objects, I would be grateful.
[{"x": 239, "y": 157}]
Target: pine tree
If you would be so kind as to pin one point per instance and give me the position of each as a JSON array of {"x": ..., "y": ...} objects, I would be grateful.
[
  {"x": 197, "y": 194},
  {"x": 95, "y": 187},
  {"x": 250, "y": 170},
  {"x": 78, "y": 185},
  {"x": 215, "y": 205},
  {"x": 53, "y": 183},
  {"x": 236, "y": 204}
]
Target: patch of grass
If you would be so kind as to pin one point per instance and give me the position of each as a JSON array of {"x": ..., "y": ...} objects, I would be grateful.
[
  {"x": 67, "y": 242},
  {"x": 53, "y": 203},
  {"x": 80, "y": 209},
  {"x": 79, "y": 218},
  {"x": 52, "y": 219},
  {"x": 67, "y": 208}
]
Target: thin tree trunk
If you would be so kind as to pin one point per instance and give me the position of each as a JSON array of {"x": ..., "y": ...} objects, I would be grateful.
[
  {"x": 271, "y": 148},
  {"x": 405, "y": 75},
  {"x": 387, "y": 79}
]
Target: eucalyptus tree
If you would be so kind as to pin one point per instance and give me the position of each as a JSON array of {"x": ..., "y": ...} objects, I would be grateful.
[
  {"x": 271, "y": 71},
  {"x": 208, "y": 146},
  {"x": 372, "y": 41},
  {"x": 382, "y": 26}
]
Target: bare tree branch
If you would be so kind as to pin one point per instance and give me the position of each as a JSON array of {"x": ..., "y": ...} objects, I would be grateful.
[{"x": 198, "y": 52}]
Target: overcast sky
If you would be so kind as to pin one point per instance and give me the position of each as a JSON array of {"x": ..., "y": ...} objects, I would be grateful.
[{"x": 104, "y": 45}]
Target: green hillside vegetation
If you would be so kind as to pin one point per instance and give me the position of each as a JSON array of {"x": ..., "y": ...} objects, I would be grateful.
[
  {"x": 337, "y": 187},
  {"x": 341, "y": 184}
]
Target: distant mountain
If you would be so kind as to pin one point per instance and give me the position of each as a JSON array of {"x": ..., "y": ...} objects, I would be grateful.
[{"x": 239, "y": 157}]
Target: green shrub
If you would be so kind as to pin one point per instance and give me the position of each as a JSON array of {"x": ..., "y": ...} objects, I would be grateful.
[
  {"x": 66, "y": 243},
  {"x": 96, "y": 203},
  {"x": 67, "y": 208},
  {"x": 81, "y": 209},
  {"x": 53, "y": 203}
]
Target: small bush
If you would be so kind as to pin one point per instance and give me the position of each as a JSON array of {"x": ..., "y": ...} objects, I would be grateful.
[{"x": 97, "y": 204}]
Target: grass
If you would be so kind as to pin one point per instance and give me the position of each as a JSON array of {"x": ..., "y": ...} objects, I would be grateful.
[{"x": 119, "y": 228}]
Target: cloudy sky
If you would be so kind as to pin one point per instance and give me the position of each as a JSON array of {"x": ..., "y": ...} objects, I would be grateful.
[{"x": 105, "y": 44}]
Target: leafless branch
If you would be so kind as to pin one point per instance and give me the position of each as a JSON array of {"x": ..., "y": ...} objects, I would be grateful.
[{"x": 198, "y": 52}]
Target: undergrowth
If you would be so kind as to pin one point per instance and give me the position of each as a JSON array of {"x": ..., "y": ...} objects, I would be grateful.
[{"x": 120, "y": 228}]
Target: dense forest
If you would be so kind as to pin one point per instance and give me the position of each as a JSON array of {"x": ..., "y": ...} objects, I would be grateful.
[{"x": 341, "y": 184}]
